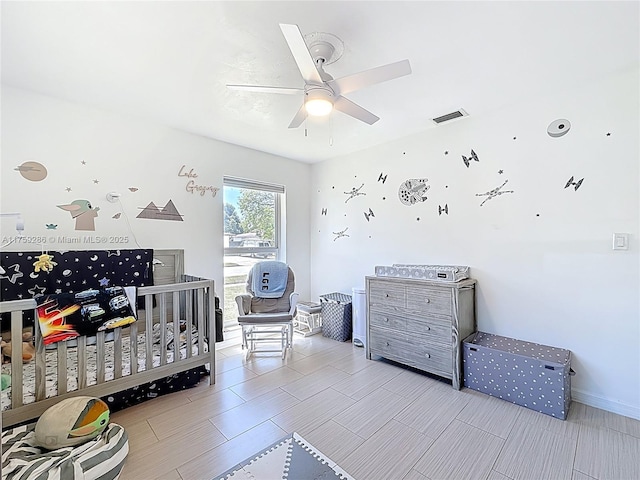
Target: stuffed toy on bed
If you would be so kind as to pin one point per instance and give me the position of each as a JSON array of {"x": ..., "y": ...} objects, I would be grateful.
[
  {"x": 6, "y": 381},
  {"x": 71, "y": 440},
  {"x": 72, "y": 421},
  {"x": 28, "y": 349}
]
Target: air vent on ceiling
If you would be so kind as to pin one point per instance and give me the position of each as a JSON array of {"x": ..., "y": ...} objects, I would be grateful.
[{"x": 450, "y": 116}]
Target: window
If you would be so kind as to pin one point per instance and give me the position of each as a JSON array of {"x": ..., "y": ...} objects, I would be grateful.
[{"x": 252, "y": 233}]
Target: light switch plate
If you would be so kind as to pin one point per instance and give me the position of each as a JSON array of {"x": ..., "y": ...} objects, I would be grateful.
[{"x": 621, "y": 241}]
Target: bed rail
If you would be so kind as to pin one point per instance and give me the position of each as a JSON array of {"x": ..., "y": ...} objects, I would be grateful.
[{"x": 192, "y": 300}]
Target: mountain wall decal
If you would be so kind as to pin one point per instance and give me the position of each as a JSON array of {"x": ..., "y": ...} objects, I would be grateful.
[{"x": 168, "y": 212}]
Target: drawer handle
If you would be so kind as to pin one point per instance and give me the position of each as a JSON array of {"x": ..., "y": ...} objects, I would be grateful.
[
  {"x": 427, "y": 355},
  {"x": 426, "y": 300},
  {"x": 386, "y": 295},
  {"x": 386, "y": 319},
  {"x": 387, "y": 344},
  {"x": 427, "y": 327}
]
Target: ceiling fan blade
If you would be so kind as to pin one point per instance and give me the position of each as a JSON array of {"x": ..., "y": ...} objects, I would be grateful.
[
  {"x": 354, "y": 82},
  {"x": 261, "y": 89},
  {"x": 299, "y": 118},
  {"x": 300, "y": 53},
  {"x": 355, "y": 110}
]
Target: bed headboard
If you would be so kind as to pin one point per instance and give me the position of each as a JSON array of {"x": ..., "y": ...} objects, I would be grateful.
[{"x": 168, "y": 266}]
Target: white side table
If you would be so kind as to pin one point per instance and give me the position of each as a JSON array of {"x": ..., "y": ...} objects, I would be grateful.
[{"x": 308, "y": 320}]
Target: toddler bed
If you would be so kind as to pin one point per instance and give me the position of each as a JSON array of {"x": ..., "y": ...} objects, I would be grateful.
[{"x": 102, "y": 365}]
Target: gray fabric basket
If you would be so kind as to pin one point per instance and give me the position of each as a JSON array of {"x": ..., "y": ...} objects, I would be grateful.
[{"x": 336, "y": 316}]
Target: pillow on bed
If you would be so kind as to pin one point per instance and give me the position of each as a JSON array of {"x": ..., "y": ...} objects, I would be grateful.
[{"x": 71, "y": 422}]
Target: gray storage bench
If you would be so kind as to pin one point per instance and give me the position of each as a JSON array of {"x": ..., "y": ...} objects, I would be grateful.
[{"x": 529, "y": 374}]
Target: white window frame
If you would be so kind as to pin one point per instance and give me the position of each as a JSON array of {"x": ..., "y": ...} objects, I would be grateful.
[{"x": 264, "y": 187}]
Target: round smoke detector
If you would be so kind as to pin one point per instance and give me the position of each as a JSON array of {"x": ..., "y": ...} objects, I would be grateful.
[{"x": 324, "y": 46}]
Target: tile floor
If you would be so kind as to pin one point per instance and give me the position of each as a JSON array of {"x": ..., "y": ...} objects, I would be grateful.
[{"x": 378, "y": 421}]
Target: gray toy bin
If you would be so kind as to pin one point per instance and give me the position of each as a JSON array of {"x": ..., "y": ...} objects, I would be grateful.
[{"x": 528, "y": 374}]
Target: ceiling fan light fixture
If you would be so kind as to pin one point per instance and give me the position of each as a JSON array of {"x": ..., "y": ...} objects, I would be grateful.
[
  {"x": 319, "y": 102},
  {"x": 318, "y": 107}
]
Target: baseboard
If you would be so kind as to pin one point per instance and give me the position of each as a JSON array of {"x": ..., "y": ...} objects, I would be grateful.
[{"x": 606, "y": 404}]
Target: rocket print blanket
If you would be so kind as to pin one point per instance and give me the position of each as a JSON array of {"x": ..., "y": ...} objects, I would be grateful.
[{"x": 64, "y": 316}]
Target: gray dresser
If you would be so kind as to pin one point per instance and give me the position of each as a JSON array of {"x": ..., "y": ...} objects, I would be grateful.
[{"x": 420, "y": 323}]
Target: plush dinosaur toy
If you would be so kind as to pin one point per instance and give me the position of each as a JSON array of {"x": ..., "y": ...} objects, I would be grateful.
[{"x": 28, "y": 349}]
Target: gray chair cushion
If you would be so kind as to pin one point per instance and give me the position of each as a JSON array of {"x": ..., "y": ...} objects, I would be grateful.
[{"x": 265, "y": 318}]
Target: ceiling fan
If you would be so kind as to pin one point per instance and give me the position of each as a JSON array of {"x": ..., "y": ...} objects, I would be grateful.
[{"x": 321, "y": 92}]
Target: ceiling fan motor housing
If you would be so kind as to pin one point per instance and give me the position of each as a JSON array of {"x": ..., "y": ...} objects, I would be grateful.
[{"x": 321, "y": 51}]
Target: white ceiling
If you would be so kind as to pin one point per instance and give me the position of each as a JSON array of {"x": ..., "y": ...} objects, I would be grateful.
[{"x": 169, "y": 62}]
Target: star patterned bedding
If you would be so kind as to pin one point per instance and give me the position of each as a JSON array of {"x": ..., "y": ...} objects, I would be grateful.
[{"x": 91, "y": 362}]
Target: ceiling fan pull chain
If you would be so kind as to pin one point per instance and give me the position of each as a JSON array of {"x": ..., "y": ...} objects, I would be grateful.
[{"x": 331, "y": 129}]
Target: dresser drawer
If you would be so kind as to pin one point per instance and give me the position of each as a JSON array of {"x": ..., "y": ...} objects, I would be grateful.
[
  {"x": 415, "y": 350},
  {"x": 429, "y": 300},
  {"x": 388, "y": 343},
  {"x": 386, "y": 294},
  {"x": 436, "y": 328},
  {"x": 379, "y": 319},
  {"x": 423, "y": 353}
]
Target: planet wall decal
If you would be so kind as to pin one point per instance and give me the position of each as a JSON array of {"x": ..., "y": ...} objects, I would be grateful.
[{"x": 32, "y": 171}]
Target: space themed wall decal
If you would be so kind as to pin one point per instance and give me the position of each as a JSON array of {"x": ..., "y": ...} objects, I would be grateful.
[
  {"x": 340, "y": 234},
  {"x": 472, "y": 156},
  {"x": 355, "y": 192},
  {"x": 33, "y": 171},
  {"x": 83, "y": 213},
  {"x": 168, "y": 212},
  {"x": 413, "y": 190},
  {"x": 442, "y": 209},
  {"x": 493, "y": 193},
  {"x": 324, "y": 211},
  {"x": 133, "y": 189},
  {"x": 576, "y": 185},
  {"x": 51, "y": 226},
  {"x": 559, "y": 127},
  {"x": 369, "y": 215},
  {"x": 382, "y": 178}
]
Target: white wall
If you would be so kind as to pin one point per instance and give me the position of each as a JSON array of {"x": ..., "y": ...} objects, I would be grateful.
[
  {"x": 122, "y": 153},
  {"x": 542, "y": 255}
]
